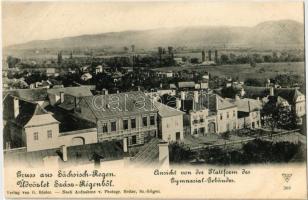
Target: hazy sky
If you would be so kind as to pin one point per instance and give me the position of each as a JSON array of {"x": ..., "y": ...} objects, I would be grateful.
[{"x": 25, "y": 21}]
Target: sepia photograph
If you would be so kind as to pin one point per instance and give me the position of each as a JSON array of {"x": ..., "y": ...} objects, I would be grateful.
[{"x": 157, "y": 99}]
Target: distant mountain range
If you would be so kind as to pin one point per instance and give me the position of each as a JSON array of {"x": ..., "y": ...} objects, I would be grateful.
[{"x": 266, "y": 35}]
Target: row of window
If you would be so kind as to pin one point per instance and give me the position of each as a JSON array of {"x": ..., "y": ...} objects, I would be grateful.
[
  {"x": 228, "y": 115},
  {"x": 36, "y": 135},
  {"x": 113, "y": 125},
  {"x": 201, "y": 120}
]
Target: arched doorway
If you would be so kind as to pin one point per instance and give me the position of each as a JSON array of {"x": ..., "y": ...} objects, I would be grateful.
[
  {"x": 211, "y": 127},
  {"x": 77, "y": 141}
]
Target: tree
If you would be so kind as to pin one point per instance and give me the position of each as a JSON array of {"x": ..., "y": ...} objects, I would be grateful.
[
  {"x": 12, "y": 61},
  {"x": 194, "y": 60},
  {"x": 226, "y": 135},
  {"x": 287, "y": 80},
  {"x": 252, "y": 63},
  {"x": 279, "y": 116},
  {"x": 178, "y": 153},
  {"x": 228, "y": 92},
  {"x": 253, "y": 82},
  {"x": 224, "y": 59}
]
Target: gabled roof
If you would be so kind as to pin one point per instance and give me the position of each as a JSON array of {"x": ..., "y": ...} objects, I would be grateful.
[
  {"x": 80, "y": 91},
  {"x": 26, "y": 112},
  {"x": 167, "y": 111},
  {"x": 246, "y": 105},
  {"x": 277, "y": 100},
  {"x": 205, "y": 100},
  {"x": 42, "y": 119},
  {"x": 30, "y": 113},
  {"x": 37, "y": 94},
  {"x": 289, "y": 94},
  {"x": 254, "y": 92},
  {"x": 223, "y": 104},
  {"x": 104, "y": 106}
]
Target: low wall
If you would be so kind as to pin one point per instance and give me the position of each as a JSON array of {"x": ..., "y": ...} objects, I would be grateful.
[{"x": 71, "y": 138}]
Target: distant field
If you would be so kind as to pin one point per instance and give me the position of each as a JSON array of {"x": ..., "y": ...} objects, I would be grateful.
[{"x": 244, "y": 71}]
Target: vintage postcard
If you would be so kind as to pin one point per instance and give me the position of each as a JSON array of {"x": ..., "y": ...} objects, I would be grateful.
[{"x": 154, "y": 99}]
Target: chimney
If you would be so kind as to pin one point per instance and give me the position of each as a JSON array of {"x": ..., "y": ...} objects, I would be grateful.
[
  {"x": 161, "y": 85},
  {"x": 126, "y": 156},
  {"x": 249, "y": 106},
  {"x": 178, "y": 104},
  {"x": 118, "y": 91},
  {"x": 216, "y": 103},
  {"x": 104, "y": 91},
  {"x": 125, "y": 145},
  {"x": 182, "y": 95},
  {"x": 64, "y": 152},
  {"x": 242, "y": 92},
  {"x": 16, "y": 107},
  {"x": 237, "y": 97},
  {"x": 163, "y": 154},
  {"x": 268, "y": 83},
  {"x": 61, "y": 97},
  {"x": 196, "y": 96},
  {"x": 271, "y": 91},
  {"x": 138, "y": 88}
]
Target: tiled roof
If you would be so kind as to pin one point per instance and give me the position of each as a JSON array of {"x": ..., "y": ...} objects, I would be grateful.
[
  {"x": 167, "y": 111},
  {"x": 172, "y": 86},
  {"x": 30, "y": 113},
  {"x": 43, "y": 119},
  {"x": 148, "y": 153},
  {"x": 81, "y": 154},
  {"x": 103, "y": 106},
  {"x": 108, "y": 150},
  {"x": 276, "y": 100},
  {"x": 254, "y": 92},
  {"x": 69, "y": 122},
  {"x": 26, "y": 112},
  {"x": 206, "y": 101},
  {"x": 190, "y": 84},
  {"x": 37, "y": 94},
  {"x": 223, "y": 104},
  {"x": 289, "y": 94},
  {"x": 28, "y": 159},
  {"x": 244, "y": 104},
  {"x": 81, "y": 91}
]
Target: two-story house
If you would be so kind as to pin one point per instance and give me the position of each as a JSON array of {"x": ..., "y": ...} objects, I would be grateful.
[
  {"x": 170, "y": 123},
  {"x": 248, "y": 112},
  {"x": 130, "y": 115},
  {"x": 28, "y": 125},
  {"x": 208, "y": 113},
  {"x": 292, "y": 95}
]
